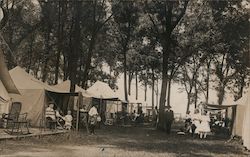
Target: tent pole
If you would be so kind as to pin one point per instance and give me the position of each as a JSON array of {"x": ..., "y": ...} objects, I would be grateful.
[{"x": 78, "y": 111}]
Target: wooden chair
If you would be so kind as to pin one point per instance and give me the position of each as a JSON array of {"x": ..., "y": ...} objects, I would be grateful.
[
  {"x": 16, "y": 122},
  {"x": 20, "y": 126},
  {"x": 13, "y": 114}
]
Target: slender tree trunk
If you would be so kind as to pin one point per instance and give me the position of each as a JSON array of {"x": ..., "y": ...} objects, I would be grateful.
[
  {"x": 136, "y": 85},
  {"x": 61, "y": 11},
  {"x": 169, "y": 91},
  {"x": 157, "y": 92},
  {"x": 46, "y": 55},
  {"x": 153, "y": 89},
  {"x": 130, "y": 77},
  {"x": 145, "y": 91},
  {"x": 75, "y": 43},
  {"x": 88, "y": 61},
  {"x": 207, "y": 81},
  {"x": 196, "y": 93},
  {"x": 30, "y": 52},
  {"x": 188, "y": 102},
  {"x": 125, "y": 74}
]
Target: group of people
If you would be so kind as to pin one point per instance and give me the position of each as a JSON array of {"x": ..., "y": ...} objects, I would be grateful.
[
  {"x": 168, "y": 118},
  {"x": 54, "y": 118},
  {"x": 198, "y": 123}
]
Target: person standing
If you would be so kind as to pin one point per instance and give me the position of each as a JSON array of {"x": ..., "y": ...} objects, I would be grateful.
[
  {"x": 93, "y": 114},
  {"x": 155, "y": 116},
  {"x": 204, "y": 127},
  {"x": 169, "y": 118},
  {"x": 195, "y": 121}
]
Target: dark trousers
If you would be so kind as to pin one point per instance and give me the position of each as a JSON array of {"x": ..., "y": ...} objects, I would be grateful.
[
  {"x": 168, "y": 127},
  {"x": 51, "y": 124},
  {"x": 92, "y": 128},
  {"x": 193, "y": 128}
]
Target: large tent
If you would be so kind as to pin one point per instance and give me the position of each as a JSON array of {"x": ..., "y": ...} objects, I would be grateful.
[
  {"x": 6, "y": 86},
  {"x": 242, "y": 120},
  {"x": 34, "y": 95}
]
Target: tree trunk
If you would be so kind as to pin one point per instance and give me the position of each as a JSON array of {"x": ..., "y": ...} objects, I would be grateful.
[
  {"x": 153, "y": 89},
  {"x": 157, "y": 92},
  {"x": 145, "y": 91},
  {"x": 75, "y": 43},
  {"x": 136, "y": 85},
  {"x": 88, "y": 60},
  {"x": 46, "y": 55},
  {"x": 188, "y": 102},
  {"x": 125, "y": 74},
  {"x": 130, "y": 77},
  {"x": 163, "y": 86},
  {"x": 207, "y": 80},
  {"x": 169, "y": 91},
  {"x": 59, "y": 40}
]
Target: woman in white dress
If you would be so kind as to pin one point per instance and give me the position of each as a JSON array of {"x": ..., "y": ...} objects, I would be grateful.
[
  {"x": 195, "y": 122},
  {"x": 204, "y": 127}
]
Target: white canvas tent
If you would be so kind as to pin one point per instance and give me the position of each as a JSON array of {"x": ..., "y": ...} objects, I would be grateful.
[
  {"x": 33, "y": 95},
  {"x": 101, "y": 90},
  {"x": 242, "y": 119},
  {"x": 6, "y": 86}
]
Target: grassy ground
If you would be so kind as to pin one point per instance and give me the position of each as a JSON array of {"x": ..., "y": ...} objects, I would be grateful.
[{"x": 120, "y": 142}]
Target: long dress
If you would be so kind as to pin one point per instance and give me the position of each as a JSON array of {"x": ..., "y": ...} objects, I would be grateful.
[{"x": 204, "y": 125}]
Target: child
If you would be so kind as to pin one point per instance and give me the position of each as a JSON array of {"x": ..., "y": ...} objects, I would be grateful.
[{"x": 68, "y": 121}]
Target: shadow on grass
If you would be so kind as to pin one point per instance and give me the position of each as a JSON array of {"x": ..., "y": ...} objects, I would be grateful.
[{"x": 137, "y": 139}]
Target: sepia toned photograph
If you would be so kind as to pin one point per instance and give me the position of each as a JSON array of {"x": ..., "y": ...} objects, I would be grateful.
[{"x": 124, "y": 78}]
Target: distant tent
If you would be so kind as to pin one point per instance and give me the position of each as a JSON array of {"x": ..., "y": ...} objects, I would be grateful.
[
  {"x": 35, "y": 95},
  {"x": 65, "y": 86},
  {"x": 242, "y": 120},
  {"x": 6, "y": 86},
  {"x": 101, "y": 90},
  {"x": 86, "y": 96}
]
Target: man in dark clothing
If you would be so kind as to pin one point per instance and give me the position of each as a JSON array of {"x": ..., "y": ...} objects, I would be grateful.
[{"x": 169, "y": 117}]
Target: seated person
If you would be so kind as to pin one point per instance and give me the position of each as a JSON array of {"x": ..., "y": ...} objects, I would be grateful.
[
  {"x": 59, "y": 118},
  {"x": 50, "y": 116},
  {"x": 68, "y": 121}
]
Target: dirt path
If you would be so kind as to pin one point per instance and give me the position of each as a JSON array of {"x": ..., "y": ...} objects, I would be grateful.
[{"x": 120, "y": 142}]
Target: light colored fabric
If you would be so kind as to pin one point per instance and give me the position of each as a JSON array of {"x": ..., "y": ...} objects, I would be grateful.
[
  {"x": 242, "y": 119},
  {"x": 246, "y": 125},
  {"x": 65, "y": 86},
  {"x": 23, "y": 80},
  {"x": 102, "y": 90},
  {"x": 5, "y": 76},
  {"x": 204, "y": 125},
  {"x": 33, "y": 103},
  {"x": 93, "y": 111},
  {"x": 58, "y": 115},
  {"x": 50, "y": 112},
  {"x": 68, "y": 120}
]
